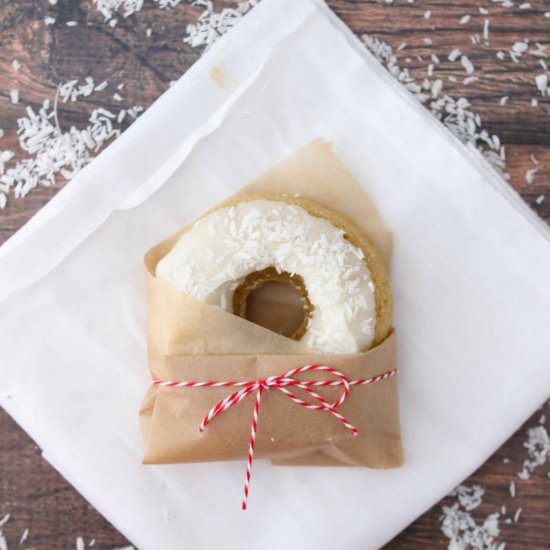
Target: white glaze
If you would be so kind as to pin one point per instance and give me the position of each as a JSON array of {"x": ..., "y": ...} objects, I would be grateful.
[{"x": 211, "y": 259}]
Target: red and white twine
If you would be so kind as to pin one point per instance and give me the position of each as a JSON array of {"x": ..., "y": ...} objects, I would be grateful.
[{"x": 280, "y": 382}]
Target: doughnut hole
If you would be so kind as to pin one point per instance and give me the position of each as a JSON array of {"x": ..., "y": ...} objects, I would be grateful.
[{"x": 276, "y": 301}]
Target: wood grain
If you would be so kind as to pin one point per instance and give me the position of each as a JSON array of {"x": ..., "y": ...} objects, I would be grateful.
[{"x": 35, "y": 495}]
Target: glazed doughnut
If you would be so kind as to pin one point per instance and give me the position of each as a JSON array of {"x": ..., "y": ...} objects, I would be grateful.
[{"x": 252, "y": 240}]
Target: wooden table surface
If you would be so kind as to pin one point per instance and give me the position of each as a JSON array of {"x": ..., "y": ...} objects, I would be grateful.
[{"x": 30, "y": 490}]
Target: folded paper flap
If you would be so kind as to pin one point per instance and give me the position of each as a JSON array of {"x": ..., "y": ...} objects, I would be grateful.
[
  {"x": 171, "y": 415},
  {"x": 180, "y": 324},
  {"x": 253, "y": 367}
]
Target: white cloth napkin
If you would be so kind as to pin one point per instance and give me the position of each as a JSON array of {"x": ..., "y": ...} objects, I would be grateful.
[{"x": 471, "y": 268}]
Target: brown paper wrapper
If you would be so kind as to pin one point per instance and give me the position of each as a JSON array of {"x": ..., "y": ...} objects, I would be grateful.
[{"x": 191, "y": 340}]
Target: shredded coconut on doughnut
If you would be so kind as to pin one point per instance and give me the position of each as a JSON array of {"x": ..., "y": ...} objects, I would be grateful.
[{"x": 211, "y": 260}]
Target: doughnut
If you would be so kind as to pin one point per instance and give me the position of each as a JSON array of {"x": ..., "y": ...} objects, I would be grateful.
[{"x": 252, "y": 240}]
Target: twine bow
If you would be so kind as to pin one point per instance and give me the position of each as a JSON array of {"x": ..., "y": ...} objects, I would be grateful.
[{"x": 281, "y": 382}]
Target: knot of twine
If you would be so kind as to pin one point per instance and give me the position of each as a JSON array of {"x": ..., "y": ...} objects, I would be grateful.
[{"x": 281, "y": 382}]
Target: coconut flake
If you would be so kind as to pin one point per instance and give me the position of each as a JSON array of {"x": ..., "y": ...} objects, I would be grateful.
[
  {"x": 72, "y": 90},
  {"x": 211, "y": 25},
  {"x": 539, "y": 50},
  {"x": 5, "y": 157},
  {"x": 518, "y": 49},
  {"x": 454, "y": 55},
  {"x": 531, "y": 173},
  {"x": 109, "y": 8},
  {"x": 541, "y": 81},
  {"x": 538, "y": 450},
  {"x": 51, "y": 151},
  {"x": 464, "y": 19},
  {"x": 467, "y": 64},
  {"x": 461, "y": 528},
  {"x": 164, "y": 4},
  {"x": 24, "y": 537},
  {"x": 469, "y": 497},
  {"x": 101, "y": 86},
  {"x": 134, "y": 111},
  {"x": 437, "y": 86}
]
